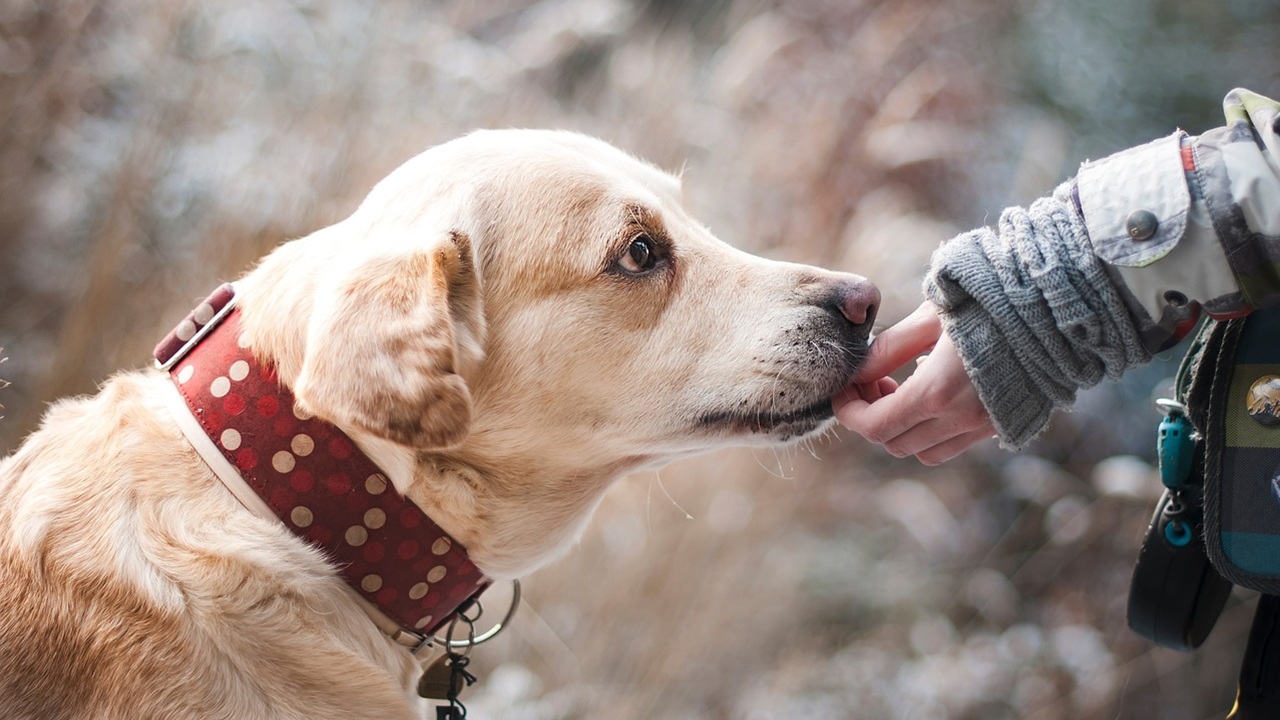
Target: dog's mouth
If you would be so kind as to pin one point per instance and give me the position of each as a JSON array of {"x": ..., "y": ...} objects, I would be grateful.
[
  {"x": 786, "y": 425},
  {"x": 791, "y": 396}
]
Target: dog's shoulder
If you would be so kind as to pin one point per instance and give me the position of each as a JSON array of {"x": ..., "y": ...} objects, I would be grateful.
[
  {"x": 73, "y": 628},
  {"x": 132, "y": 584}
]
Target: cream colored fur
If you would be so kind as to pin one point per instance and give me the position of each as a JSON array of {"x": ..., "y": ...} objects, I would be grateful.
[{"x": 480, "y": 327}]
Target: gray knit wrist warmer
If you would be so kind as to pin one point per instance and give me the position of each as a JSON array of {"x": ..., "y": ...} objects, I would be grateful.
[{"x": 1033, "y": 314}]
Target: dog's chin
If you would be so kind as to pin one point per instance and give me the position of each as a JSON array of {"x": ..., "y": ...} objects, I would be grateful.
[{"x": 754, "y": 426}]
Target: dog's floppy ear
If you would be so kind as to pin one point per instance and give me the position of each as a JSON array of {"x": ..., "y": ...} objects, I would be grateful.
[{"x": 384, "y": 349}]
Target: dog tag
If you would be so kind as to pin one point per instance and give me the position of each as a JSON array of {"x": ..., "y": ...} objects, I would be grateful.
[{"x": 439, "y": 681}]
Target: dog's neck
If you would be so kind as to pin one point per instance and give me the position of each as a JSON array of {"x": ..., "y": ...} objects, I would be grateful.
[
  {"x": 282, "y": 463},
  {"x": 512, "y": 521},
  {"x": 514, "y": 513}
]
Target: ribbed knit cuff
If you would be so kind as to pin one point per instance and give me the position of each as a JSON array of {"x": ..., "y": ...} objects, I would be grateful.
[
  {"x": 1032, "y": 313},
  {"x": 1019, "y": 409}
]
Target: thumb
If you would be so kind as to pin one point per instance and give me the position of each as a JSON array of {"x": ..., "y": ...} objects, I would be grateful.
[{"x": 904, "y": 341}]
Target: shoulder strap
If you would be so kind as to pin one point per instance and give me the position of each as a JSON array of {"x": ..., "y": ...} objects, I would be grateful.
[{"x": 1258, "y": 694}]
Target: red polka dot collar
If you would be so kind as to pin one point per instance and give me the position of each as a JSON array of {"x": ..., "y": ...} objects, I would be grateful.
[{"x": 312, "y": 477}]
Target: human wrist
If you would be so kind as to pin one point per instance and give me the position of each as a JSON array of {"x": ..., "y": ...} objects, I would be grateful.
[
  {"x": 1033, "y": 313},
  {"x": 1018, "y": 408}
]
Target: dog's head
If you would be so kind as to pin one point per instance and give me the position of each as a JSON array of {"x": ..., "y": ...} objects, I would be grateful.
[{"x": 540, "y": 300}]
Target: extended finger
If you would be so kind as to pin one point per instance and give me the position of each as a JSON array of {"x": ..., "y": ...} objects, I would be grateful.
[{"x": 901, "y": 342}]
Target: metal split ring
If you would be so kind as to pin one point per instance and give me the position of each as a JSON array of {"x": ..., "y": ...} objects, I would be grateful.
[{"x": 472, "y": 640}]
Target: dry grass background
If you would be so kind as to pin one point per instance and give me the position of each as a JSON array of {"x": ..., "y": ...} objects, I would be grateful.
[{"x": 151, "y": 150}]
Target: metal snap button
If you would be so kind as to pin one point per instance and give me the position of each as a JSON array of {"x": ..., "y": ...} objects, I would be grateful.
[
  {"x": 1175, "y": 298},
  {"x": 1263, "y": 400},
  {"x": 1141, "y": 224}
]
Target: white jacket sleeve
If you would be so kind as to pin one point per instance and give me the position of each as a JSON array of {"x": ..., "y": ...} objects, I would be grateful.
[{"x": 1189, "y": 223}]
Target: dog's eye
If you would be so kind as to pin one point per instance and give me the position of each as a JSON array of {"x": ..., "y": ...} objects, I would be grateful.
[{"x": 640, "y": 257}]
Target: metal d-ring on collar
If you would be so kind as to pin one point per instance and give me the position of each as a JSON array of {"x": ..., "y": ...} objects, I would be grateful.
[{"x": 472, "y": 640}]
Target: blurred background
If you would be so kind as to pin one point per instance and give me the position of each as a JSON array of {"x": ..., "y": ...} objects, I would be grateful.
[{"x": 149, "y": 151}]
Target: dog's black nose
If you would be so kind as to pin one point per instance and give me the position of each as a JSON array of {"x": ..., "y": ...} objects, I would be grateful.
[{"x": 858, "y": 300}]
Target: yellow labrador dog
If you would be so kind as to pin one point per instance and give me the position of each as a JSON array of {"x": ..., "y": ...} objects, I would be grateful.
[{"x": 508, "y": 323}]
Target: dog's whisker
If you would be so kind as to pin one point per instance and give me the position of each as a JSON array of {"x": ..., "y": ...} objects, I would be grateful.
[
  {"x": 808, "y": 444},
  {"x": 661, "y": 486},
  {"x": 771, "y": 471}
]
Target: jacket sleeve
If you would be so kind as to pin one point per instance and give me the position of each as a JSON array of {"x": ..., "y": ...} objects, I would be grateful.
[
  {"x": 1117, "y": 264},
  {"x": 1188, "y": 223}
]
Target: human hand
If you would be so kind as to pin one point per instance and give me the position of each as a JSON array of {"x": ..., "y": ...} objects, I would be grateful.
[{"x": 935, "y": 414}]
